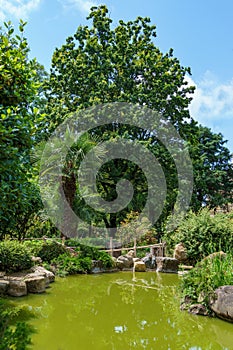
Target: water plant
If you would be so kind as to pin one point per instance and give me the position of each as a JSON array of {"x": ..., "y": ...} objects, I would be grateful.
[
  {"x": 15, "y": 332},
  {"x": 209, "y": 274}
]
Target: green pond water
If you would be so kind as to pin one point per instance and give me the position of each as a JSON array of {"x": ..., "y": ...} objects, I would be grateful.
[{"x": 120, "y": 311}]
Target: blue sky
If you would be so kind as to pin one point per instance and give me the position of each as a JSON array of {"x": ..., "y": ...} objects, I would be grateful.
[{"x": 200, "y": 32}]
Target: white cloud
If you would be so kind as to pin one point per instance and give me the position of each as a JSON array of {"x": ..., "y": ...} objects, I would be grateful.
[
  {"x": 19, "y": 9},
  {"x": 81, "y": 5},
  {"x": 212, "y": 105},
  {"x": 212, "y": 100}
]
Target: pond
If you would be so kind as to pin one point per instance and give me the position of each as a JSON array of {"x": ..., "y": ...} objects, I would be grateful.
[{"x": 121, "y": 311}]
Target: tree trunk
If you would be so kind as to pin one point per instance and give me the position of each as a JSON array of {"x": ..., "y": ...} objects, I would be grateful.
[{"x": 68, "y": 226}]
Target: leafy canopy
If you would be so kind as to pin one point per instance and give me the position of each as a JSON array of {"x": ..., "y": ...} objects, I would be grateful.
[
  {"x": 101, "y": 63},
  {"x": 19, "y": 83}
]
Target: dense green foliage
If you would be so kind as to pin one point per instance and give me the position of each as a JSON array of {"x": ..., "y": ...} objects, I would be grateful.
[
  {"x": 212, "y": 168},
  {"x": 79, "y": 258},
  {"x": 101, "y": 64},
  {"x": 50, "y": 250},
  {"x": 65, "y": 259},
  {"x": 33, "y": 246},
  {"x": 67, "y": 264},
  {"x": 14, "y": 334},
  {"x": 39, "y": 225},
  {"x": 14, "y": 257},
  {"x": 85, "y": 251},
  {"x": 202, "y": 234},
  {"x": 200, "y": 282},
  {"x": 126, "y": 234},
  {"x": 19, "y": 84}
]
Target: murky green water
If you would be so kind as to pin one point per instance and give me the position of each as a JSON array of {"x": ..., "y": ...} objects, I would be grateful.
[{"x": 118, "y": 312}]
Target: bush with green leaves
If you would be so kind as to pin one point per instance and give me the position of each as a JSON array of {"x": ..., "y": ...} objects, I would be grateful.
[
  {"x": 68, "y": 264},
  {"x": 33, "y": 246},
  {"x": 40, "y": 225},
  {"x": 202, "y": 234},
  {"x": 72, "y": 242},
  {"x": 106, "y": 259},
  {"x": 50, "y": 250},
  {"x": 82, "y": 249},
  {"x": 88, "y": 251},
  {"x": 93, "y": 253},
  {"x": 14, "y": 334},
  {"x": 209, "y": 274},
  {"x": 14, "y": 256}
]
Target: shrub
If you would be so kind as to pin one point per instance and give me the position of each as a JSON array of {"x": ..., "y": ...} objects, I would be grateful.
[
  {"x": 14, "y": 256},
  {"x": 99, "y": 242},
  {"x": 72, "y": 242},
  {"x": 207, "y": 276},
  {"x": 96, "y": 254},
  {"x": 132, "y": 227},
  {"x": 88, "y": 251},
  {"x": 51, "y": 250},
  {"x": 67, "y": 264},
  {"x": 40, "y": 225},
  {"x": 202, "y": 234},
  {"x": 93, "y": 253},
  {"x": 85, "y": 264},
  {"x": 106, "y": 259},
  {"x": 33, "y": 246}
]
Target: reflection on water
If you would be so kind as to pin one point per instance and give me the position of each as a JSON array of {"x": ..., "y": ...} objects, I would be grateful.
[{"x": 121, "y": 311}]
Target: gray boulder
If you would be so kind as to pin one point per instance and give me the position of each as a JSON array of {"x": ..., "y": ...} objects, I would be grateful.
[
  {"x": 41, "y": 271},
  {"x": 125, "y": 262},
  {"x": 186, "y": 302},
  {"x": 19, "y": 284},
  {"x": 3, "y": 286},
  {"x": 131, "y": 254},
  {"x": 17, "y": 288},
  {"x": 36, "y": 259},
  {"x": 180, "y": 253},
  {"x": 120, "y": 264},
  {"x": 166, "y": 264},
  {"x": 221, "y": 303},
  {"x": 139, "y": 266},
  {"x": 97, "y": 266},
  {"x": 35, "y": 284},
  {"x": 149, "y": 261},
  {"x": 198, "y": 309}
]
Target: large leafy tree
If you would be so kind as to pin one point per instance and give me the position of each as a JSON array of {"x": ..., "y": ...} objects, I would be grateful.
[
  {"x": 101, "y": 64},
  {"x": 19, "y": 83},
  {"x": 213, "y": 171}
]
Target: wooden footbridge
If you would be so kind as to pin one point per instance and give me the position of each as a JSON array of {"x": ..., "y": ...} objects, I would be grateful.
[{"x": 155, "y": 249}]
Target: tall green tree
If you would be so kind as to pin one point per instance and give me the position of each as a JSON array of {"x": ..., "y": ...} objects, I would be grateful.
[
  {"x": 103, "y": 64},
  {"x": 100, "y": 64},
  {"x": 19, "y": 83},
  {"x": 213, "y": 170}
]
